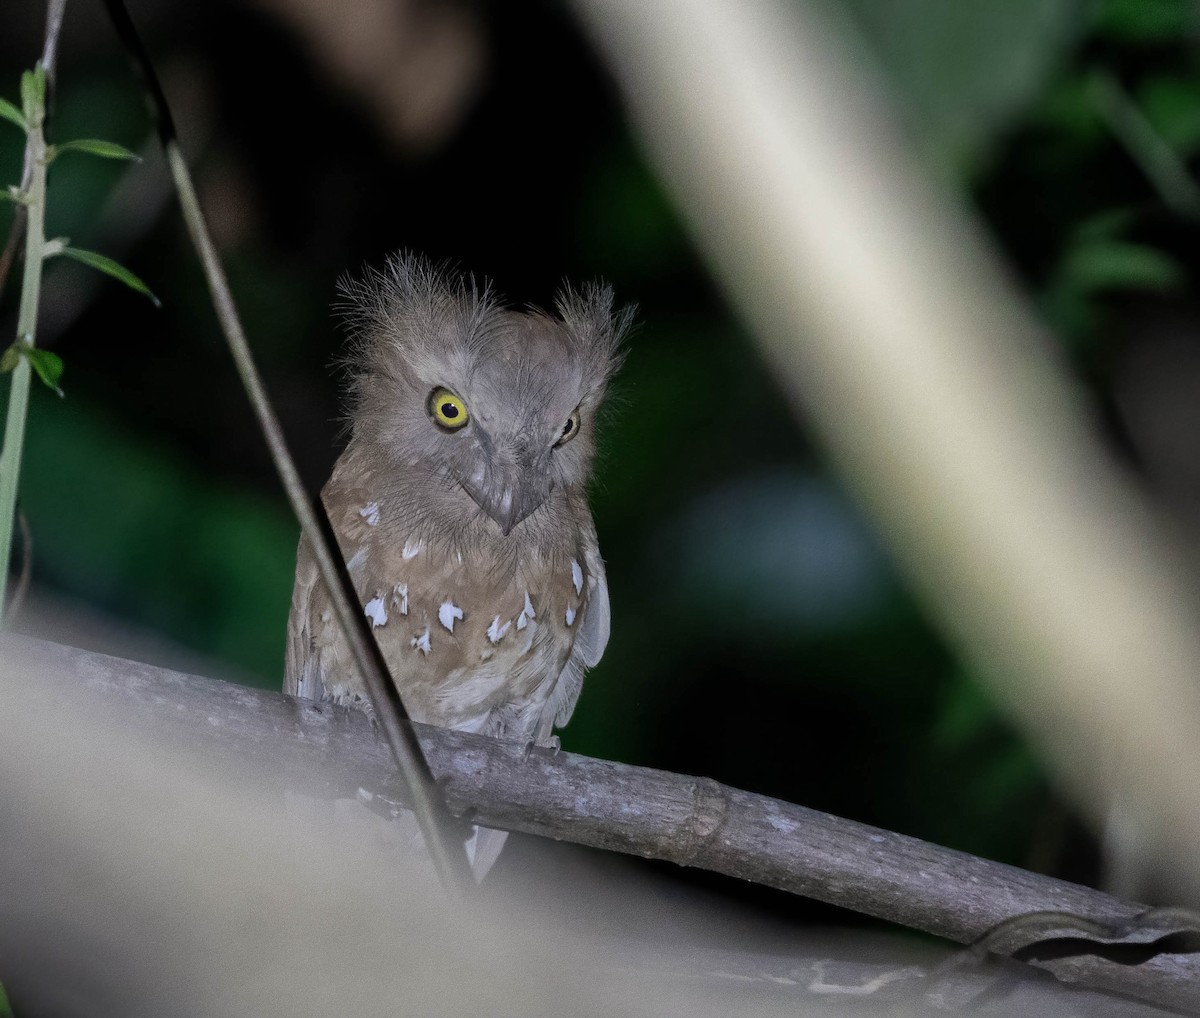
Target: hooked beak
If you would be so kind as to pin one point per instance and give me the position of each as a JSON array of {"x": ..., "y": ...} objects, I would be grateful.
[{"x": 505, "y": 495}]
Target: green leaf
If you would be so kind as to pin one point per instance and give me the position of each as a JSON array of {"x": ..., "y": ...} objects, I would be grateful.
[
  {"x": 1120, "y": 265},
  {"x": 9, "y": 112},
  {"x": 1146, "y": 21},
  {"x": 98, "y": 147},
  {"x": 111, "y": 268},
  {"x": 964, "y": 72},
  {"x": 1107, "y": 224},
  {"x": 33, "y": 93},
  {"x": 9, "y": 359},
  {"x": 1172, "y": 105},
  {"x": 6, "y": 1010},
  {"x": 28, "y": 91},
  {"x": 48, "y": 365}
]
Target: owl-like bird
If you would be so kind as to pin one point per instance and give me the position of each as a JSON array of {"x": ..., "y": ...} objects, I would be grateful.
[{"x": 460, "y": 507}]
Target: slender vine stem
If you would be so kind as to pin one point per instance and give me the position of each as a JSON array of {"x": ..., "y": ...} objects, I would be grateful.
[
  {"x": 30, "y": 218},
  {"x": 31, "y": 289},
  {"x": 55, "y": 10}
]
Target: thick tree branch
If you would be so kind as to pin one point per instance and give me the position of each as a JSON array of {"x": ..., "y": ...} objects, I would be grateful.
[{"x": 315, "y": 749}]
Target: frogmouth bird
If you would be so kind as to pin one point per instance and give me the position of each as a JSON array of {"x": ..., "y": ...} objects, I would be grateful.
[{"x": 460, "y": 506}]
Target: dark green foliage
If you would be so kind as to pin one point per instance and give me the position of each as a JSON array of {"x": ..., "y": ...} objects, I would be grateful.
[
  {"x": 965, "y": 72},
  {"x": 10, "y": 113},
  {"x": 48, "y": 365},
  {"x": 98, "y": 147},
  {"x": 103, "y": 263}
]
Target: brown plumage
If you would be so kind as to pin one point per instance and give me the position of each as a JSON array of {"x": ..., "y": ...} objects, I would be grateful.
[{"x": 460, "y": 506}]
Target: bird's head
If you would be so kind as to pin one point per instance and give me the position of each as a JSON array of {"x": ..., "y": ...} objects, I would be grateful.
[{"x": 496, "y": 403}]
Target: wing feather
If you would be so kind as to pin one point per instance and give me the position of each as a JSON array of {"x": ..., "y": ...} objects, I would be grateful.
[
  {"x": 590, "y": 641},
  {"x": 302, "y": 666}
]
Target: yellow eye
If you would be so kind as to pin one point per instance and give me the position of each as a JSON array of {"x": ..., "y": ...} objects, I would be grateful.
[
  {"x": 570, "y": 429},
  {"x": 447, "y": 410}
]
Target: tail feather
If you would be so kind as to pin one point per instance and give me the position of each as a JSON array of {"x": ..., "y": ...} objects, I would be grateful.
[{"x": 483, "y": 849}]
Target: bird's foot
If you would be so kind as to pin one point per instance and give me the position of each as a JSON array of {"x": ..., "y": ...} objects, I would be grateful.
[{"x": 552, "y": 743}]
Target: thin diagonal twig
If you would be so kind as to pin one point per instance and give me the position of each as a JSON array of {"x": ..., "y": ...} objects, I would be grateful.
[
  {"x": 21, "y": 588},
  {"x": 1165, "y": 169},
  {"x": 55, "y": 10},
  {"x": 16, "y": 234},
  {"x": 436, "y": 823}
]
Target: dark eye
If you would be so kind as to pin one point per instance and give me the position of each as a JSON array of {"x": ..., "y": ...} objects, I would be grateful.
[
  {"x": 447, "y": 409},
  {"x": 570, "y": 429}
]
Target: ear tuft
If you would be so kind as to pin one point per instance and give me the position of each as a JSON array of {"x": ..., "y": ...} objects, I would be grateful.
[
  {"x": 411, "y": 298},
  {"x": 598, "y": 330},
  {"x": 410, "y": 318}
]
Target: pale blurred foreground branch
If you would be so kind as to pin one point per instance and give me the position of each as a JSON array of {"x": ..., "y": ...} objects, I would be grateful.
[
  {"x": 296, "y": 746},
  {"x": 895, "y": 331}
]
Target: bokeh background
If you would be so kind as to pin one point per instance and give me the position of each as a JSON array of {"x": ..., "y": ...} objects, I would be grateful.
[{"x": 760, "y": 634}]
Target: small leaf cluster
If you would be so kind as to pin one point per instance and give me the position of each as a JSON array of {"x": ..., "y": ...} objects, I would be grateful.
[
  {"x": 33, "y": 101},
  {"x": 29, "y": 117}
]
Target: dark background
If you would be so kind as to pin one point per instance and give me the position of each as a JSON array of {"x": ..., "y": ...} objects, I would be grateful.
[{"x": 760, "y": 634}]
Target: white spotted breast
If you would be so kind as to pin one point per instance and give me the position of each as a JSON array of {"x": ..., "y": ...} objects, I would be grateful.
[{"x": 470, "y": 644}]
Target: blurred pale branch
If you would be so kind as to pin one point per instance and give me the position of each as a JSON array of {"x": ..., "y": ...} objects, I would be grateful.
[
  {"x": 310, "y": 749},
  {"x": 898, "y": 335},
  {"x": 154, "y": 863}
]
